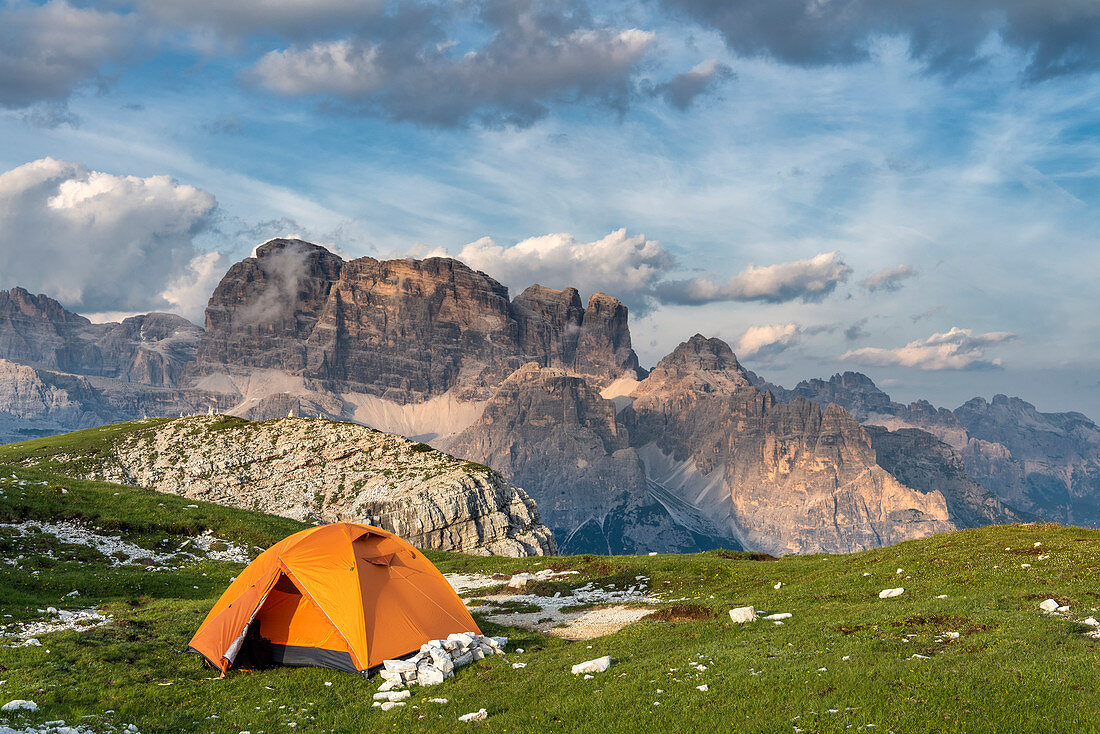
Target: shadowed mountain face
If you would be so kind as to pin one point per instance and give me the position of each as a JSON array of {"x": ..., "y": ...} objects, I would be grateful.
[
  {"x": 1047, "y": 464},
  {"x": 543, "y": 388}
]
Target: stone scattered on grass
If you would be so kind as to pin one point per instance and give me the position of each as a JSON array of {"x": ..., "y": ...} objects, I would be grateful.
[
  {"x": 480, "y": 715},
  {"x": 598, "y": 665},
  {"x": 743, "y": 614},
  {"x": 1050, "y": 605},
  {"x": 19, "y": 705},
  {"x": 781, "y": 615},
  {"x": 891, "y": 593},
  {"x": 704, "y": 688}
]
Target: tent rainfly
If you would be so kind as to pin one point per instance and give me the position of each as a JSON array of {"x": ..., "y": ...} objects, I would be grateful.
[{"x": 343, "y": 596}]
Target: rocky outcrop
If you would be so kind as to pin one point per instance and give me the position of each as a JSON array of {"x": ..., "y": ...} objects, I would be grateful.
[
  {"x": 552, "y": 433},
  {"x": 786, "y": 478},
  {"x": 314, "y": 469}
]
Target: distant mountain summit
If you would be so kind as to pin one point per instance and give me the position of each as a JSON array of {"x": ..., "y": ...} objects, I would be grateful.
[{"x": 543, "y": 388}]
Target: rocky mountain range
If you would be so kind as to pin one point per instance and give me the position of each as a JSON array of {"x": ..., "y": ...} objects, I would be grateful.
[
  {"x": 547, "y": 390},
  {"x": 1043, "y": 463}
]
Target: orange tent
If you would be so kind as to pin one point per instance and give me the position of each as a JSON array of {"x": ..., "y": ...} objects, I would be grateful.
[{"x": 342, "y": 596}]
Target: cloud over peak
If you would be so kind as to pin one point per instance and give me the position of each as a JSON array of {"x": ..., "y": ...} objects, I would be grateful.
[
  {"x": 810, "y": 280},
  {"x": 955, "y": 349},
  {"x": 626, "y": 266},
  {"x": 113, "y": 243}
]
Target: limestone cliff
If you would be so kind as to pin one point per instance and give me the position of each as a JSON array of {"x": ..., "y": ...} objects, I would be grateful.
[
  {"x": 551, "y": 432},
  {"x": 786, "y": 478}
]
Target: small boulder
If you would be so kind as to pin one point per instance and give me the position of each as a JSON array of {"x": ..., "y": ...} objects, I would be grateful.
[
  {"x": 890, "y": 593},
  {"x": 19, "y": 704},
  {"x": 392, "y": 695},
  {"x": 598, "y": 665},
  {"x": 429, "y": 675},
  {"x": 743, "y": 614},
  {"x": 1050, "y": 605},
  {"x": 480, "y": 715},
  {"x": 781, "y": 615},
  {"x": 387, "y": 705}
]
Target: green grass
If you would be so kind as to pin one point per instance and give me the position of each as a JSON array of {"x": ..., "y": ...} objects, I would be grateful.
[{"x": 1011, "y": 669}]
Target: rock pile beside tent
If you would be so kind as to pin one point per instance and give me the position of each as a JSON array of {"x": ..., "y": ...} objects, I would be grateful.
[{"x": 438, "y": 660}]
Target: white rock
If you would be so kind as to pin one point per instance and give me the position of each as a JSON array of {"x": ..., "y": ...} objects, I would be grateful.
[
  {"x": 392, "y": 695},
  {"x": 653, "y": 553},
  {"x": 866, "y": 573},
  {"x": 953, "y": 635},
  {"x": 519, "y": 580},
  {"x": 1091, "y": 622},
  {"x": 480, "y": 715},
  {"x": 781, "y": 615},
  {"x": 588, "y": 676},
  {"x": 890, "y": 593},
  {"x": 1036, "y": 544},
  {"x": 389, "y": 685},
  {"x": 743, "y": 614},
  {"x": 942, "y": 596},
  {"x": 1025, "y": 565},
  {"x": 1049, "y": 605},
  {"x": 703, "y": 688},
  {"x": 778, "y": 585},
  {"x": 598, "y": 665},
  {"x": 386, "y": 706},
  {"x": 429, "y": 675},
  {"x": 437, "y": 700},
  {"x": 1063, "y": 608},
  {"x": 901, "y": 570},
  {"x": 399, "y": 666},
  {"x": 516, "y": 666},
  {"x": 19, "y": 704}
]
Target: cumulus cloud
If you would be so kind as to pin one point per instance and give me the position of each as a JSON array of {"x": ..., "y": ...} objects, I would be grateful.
[
  {"x": 622, "y": 265},
  {"x": 1061, "y": 36},
  {"x": 534, "y": 56},
  {"x": 888, "y": 279},
  {"x": 810, "y": 280},
  {"x": 682, "y": 89},
  {"x": 101, "y": 242},
  {"x": 47, "y": 50},
  {"x": 956, "y": 349},
  {"x": 765, "y": 340}
]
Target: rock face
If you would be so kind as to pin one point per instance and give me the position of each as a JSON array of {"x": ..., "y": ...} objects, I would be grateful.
[
  {"x": 150, "y": 349},
  {"x": 311, "y": 469},
  {"x": 551, "y": 432},
  {"x": 402, "y": 330},
  {"x": 1046, "y": 463},
  {"x": 785, "y": 478},
  {"x": 1043, "y": 463}
]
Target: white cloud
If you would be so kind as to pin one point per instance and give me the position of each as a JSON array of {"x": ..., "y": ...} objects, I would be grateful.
[
  {"x": 190, "y": 291},
  {"x": 101, "y": 242},
  {"x": 810, "y": 280},
  {"x": 622, "y": 265},
  {"x": 888, "y": 279},
  {"x": 46, "y": 50},
  {"x": 956, "y": 349},
  {"x": 768, "y": 339}
]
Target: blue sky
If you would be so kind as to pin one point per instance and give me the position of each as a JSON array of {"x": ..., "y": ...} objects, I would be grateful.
[{"x": 907, "y": 190}]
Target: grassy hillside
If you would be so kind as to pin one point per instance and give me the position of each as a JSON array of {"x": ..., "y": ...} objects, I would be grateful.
[{"x": 844, "y": 661}]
